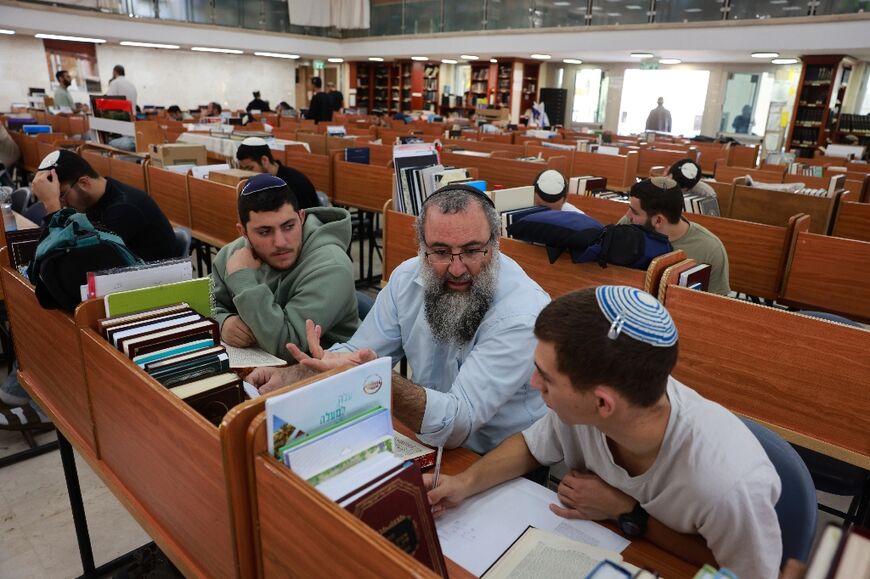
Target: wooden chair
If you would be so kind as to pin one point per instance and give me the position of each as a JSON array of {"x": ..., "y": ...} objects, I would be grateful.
[{"x": 802, "y": 377}]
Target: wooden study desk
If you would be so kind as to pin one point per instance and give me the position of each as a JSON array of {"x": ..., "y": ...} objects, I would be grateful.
[{"x": 285, "y": 509}]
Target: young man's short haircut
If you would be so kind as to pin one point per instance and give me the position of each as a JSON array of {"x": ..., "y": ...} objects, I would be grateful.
[
  {"x": 316, "y": 81},
  {"x": 575, "y": 325},
  {"x": 119, "y": 69},
  {"x": 173, "y": 109},
  {"x": 271, "y": 199},
  {"x": 660, "y": 195},
  {"x": 217, "y": 108},
  {"x": 59, "y": 74}
]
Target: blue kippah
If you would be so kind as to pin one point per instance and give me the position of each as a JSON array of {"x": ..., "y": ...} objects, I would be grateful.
[
  {"x": 262, "y": 182},
  {"x": 636, "y": 313}
]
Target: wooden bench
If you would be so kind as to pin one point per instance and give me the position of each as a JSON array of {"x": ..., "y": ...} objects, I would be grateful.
[
  {"x": 619, "y": 170},
  {"x": 485, "y": 147},
  {"x": 365, "y": 187},
  {"x": 318, "y": 168},
  {"x": 829, "y": 273},
  {"x": 649, "y": 157},
  {"x": 727, "y": 174},
  {"x": 803, "y": 377}
]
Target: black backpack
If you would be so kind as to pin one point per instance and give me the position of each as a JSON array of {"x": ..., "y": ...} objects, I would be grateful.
[
  {"x": 631, "y": 245},
  {"x": 72, "y": 248}
]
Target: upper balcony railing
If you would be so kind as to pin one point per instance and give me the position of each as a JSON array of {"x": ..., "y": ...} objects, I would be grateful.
[{"x": 397, "y": 17}]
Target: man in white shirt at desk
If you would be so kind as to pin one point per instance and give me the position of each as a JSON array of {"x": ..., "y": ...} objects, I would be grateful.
[
  {"x": 120, "y": 86},
  {"x": 643, "y": 449},
  {"x": 462, "y": 313}
]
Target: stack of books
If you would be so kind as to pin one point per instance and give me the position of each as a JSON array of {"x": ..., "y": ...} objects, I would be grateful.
[
  {"x": 419, "y": 174},
  {"x": 700, "y": 204},
  {"x": 337, "y": 435},
  {"x": 180, "y": 348},
  {"x": 841, "y": 554}
]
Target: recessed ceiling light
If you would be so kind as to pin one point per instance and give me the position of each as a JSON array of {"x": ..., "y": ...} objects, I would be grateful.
[
  {"x": 420, "y": 58},
  {"x": 376, "y": 59},
  {"x": 468, "y": 57},
  {"x": 277, "y": 55},
  {"x": 692, "y": 10},
  {"x": 779, "y": 1},
  {"x": 561, "y": 3},
  {"x": 4, "y": 31},
  {"x": 765, "y": 54},
  {"x": 448, "y": 61},
  {"x": 784, "y": 61},
  {"x": 614, "y": 14},
  {"x": 541, "y": 56},
  {"x": 634, "y": 7},
  {"x": 335, "y": 60},
  {"x": 69, "y": 38},
  {"x": 493, "y": 60},
  {"x": 670, "y": 61},
  {"x": 149, "y": 45},
  {"x": 221, "y": 50},
  {"x": 641, "y": 55},
  {"x": 791, "y": 8},
  {"x": 572, "y": 61}
]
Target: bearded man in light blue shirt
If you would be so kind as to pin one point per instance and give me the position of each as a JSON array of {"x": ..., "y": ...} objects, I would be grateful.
[{"x": 463, "y": 314}]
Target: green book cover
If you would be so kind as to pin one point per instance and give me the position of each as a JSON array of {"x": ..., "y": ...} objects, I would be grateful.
[
  {"x": 306, "y": 438},
  {"x": 196, "y": 292}
]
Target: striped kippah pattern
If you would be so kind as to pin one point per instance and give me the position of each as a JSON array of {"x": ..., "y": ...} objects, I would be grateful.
[
  {"x": 262, "y": 182},
  {"x": 637, "y": 314}
]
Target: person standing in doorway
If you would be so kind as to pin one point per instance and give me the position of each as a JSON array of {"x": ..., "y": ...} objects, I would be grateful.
[
  {"x": 320, "y": 109},
  {"x": 659, "y": 118}
]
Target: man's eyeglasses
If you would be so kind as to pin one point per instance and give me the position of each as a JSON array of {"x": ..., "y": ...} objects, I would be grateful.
[{"x": 468, "y": 257}]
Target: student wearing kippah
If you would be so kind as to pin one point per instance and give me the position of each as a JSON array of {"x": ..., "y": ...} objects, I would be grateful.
[
  {"x": 643, "y": 449},
  {"x": 657, "y": 204},
  {"x": 255, "y": 155},
  {"x": 687, "y": 174},
  {"x": 551, "y": 190},
  {"x": 288, "y": 266},
  {"x": 64, "y": 179}
]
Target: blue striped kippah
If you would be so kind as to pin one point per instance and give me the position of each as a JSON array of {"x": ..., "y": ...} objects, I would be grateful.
[{"x": 637, "y": 314}]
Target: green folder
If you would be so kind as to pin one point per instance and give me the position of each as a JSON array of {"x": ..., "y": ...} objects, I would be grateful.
[{"x": 196, "y": 292}]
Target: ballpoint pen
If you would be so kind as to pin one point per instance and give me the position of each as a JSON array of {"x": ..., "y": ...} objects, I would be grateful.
[{"x": 437, "y": 466}]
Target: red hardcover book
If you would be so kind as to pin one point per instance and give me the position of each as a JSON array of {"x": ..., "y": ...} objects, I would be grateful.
[{"x": 396, "y": 506}]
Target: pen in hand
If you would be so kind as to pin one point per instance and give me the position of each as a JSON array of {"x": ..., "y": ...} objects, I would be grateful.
[{"x": 437, "y": 466}]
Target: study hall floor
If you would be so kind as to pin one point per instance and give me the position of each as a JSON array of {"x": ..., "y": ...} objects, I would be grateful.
[{"x": 37, "y": 537}]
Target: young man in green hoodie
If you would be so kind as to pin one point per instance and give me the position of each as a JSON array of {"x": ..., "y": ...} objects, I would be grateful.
[{"x": 289, "y": 265}]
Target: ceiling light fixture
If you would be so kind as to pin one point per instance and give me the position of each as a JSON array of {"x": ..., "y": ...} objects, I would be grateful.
[
  {"x": 221, "y": 50},
  {"x": 69, "y": 38},
  {"x": 448, "y": 61},
  {"x": 468, "y": 57},
  {"x": 670, "y": 61},
  {"x": 561, "y": 3},
  {"x": 541, "y": 56},
  {"x": 335, "y": 60},
  {"x": 572, "y": 61},
  {"x": 493, "y": 60},
  {"x": 149, "y": 45},
  {"x": 764, "y": 54},
  {"x": 277, "y": 55},
  {"x": 641, "y": 55},
  {"x": 420, "y": 58},
  {"x": 376, "y": 59},
  {"x": 784, "y": 61},
  {"x": 4, "y": 31}
]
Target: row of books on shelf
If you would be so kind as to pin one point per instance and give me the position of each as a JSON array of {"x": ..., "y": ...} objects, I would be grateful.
[
  {"x": 806, "y": 170},
  {"x": 337, "y": 435},
  {"x": 419, "y": 173},
  {"x": 855, "y": 123},
  {"x": 809, "y": 115}
]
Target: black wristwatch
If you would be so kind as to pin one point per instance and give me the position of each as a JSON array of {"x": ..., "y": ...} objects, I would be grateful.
[{"x": 633, "y": 523}]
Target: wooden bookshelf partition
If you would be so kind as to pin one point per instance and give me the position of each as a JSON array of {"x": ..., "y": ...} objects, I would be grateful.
[{"x": 818, "y": 102}]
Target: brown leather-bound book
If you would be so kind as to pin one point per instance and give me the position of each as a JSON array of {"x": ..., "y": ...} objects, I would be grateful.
[
  {"x": 165, "y": 338},
  {"x": 396, "y": 506},
  {"x": 213, "y": 396}
]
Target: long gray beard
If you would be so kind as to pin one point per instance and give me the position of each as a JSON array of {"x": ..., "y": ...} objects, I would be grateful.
[{"x": 455, "y": 316}]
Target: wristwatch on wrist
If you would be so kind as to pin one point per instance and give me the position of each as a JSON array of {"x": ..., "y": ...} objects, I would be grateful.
[{"x": 633, "y": 523}]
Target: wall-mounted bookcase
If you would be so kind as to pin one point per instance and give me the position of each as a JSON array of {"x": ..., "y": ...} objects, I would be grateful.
[{"x": 818, "y": 102}]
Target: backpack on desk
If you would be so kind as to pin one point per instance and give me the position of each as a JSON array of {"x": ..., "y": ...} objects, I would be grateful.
[
  {"x": 630, "y": 245},
  {"x": 72, "y": 248}
]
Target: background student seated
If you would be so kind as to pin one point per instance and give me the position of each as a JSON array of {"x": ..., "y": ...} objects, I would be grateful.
[
  {"x": 551, "y": 190},
  {"x": 64, "y": 179},
  {"x": 643, "y": 449},
  {"x": 255, "y": 155},
  {"x": 288, "y": 266},
  {"x": 462, "y": 313},
  {"x": 657, "y": 204}
]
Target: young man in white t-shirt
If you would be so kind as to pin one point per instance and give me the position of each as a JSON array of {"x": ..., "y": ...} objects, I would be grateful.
[{"x": 642, "y": 448}]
